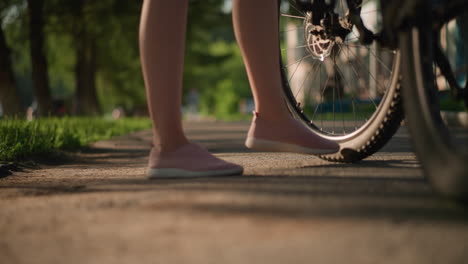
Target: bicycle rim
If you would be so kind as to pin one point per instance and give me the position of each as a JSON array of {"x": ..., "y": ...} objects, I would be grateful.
[{"x": 348, "y": 93}]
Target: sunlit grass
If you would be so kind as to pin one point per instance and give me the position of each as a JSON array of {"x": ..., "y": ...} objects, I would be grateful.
[{"x": 21, "y": 139}]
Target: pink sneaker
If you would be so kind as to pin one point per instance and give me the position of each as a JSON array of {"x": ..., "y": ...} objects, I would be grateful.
[
  {"x": 190, "y": 160},
  {"x": 286, "y": 136}
]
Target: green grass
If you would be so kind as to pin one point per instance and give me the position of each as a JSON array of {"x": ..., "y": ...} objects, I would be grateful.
[{"x": 20, "y": 139}]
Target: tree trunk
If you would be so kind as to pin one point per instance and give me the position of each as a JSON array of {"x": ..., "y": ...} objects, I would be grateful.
[
  {"x": 87, "y": 102},
  {"x": 8, "y": 94},
  {"x": 86, "y": 97},
  {"x": 38, "y": 59}
]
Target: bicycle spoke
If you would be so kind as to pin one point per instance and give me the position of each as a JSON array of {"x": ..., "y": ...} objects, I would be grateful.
[
  {"x": 297, "y": 67},
  {"x": 338, "y": 85},
  {"x": 321, "y": 97},
  {"x": 357, "y": 45},
  {"x": 315, "y": 68},
  {"x": 291, "y": 16},
  {"x": 353, "y": 99},
  {"x": 289, "y": 65},
  {"x": 297, "y": 9},
  {"x": 289, "y": 30},
  {"x": 379, "y": 59},
  {"x": 372, "y": 76},
  {"x": 298, "y": 47}
]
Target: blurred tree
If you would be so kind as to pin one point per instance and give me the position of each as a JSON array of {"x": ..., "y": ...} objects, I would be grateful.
[
  {"x": 206, "y": 24},
  {"x": 104, "y": 42},
  {"x": 120, "y": 81},
  {"x": 38, "y": 58},
  {"x": 214, "y": 64},
  {"x": 8, "y": 95},
  {"x": 92, "y": 55},
  {"x": 16, "y": 30},
  {"x": 86, "y": 61}
]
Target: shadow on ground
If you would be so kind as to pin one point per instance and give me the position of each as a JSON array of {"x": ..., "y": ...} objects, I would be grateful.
[
  {"x": 321, "y": 190},
  {"x": 297, "y": 197}
]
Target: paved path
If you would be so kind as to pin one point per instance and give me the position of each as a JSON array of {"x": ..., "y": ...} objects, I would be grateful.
[{"x": 287, "y": 208}]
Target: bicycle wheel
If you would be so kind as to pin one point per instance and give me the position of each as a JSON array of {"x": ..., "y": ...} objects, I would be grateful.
[
  {"x": 441, "y": 146},
  {"x": 341, "y": 89}
]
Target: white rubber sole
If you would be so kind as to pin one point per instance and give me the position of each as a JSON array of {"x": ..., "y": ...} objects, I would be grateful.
[
  {"x": 274, "y": 146},
  {"x": 179, "y": 173}
]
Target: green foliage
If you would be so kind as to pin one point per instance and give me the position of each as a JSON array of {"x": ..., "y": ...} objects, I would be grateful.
[
  {"x": 17, "y": 37},
  {"x": 61, "y": 68},
  {"x": 222, "y": 83},
  {"x": 20, "y": 139},
  {"x": 114, "y": 26},
  {"x": 213, "y": 64}
]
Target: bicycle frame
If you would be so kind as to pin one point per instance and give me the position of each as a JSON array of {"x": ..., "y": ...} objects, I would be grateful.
[
  {"x": 414, "y": 27},
  {"x": 397, "y": 15},
  {"x": 324, "y": 15}
]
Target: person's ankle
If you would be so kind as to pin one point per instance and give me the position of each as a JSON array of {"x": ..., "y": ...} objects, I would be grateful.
[
  {"x": 170, "y": 146},
  {"x": 271, "y": 118}
]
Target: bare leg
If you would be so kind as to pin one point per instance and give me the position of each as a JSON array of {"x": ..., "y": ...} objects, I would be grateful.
[
  {"x": 256, "y": 28},
  {"x": 162, "y": 43}
]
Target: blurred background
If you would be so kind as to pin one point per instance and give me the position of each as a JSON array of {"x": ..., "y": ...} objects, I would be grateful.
[{"x": 80, "y": 57}]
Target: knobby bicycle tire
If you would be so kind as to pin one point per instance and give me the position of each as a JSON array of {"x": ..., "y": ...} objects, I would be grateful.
[
  {"x": 445, "y": 163},
  {"x": 372, "y": 134}
]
